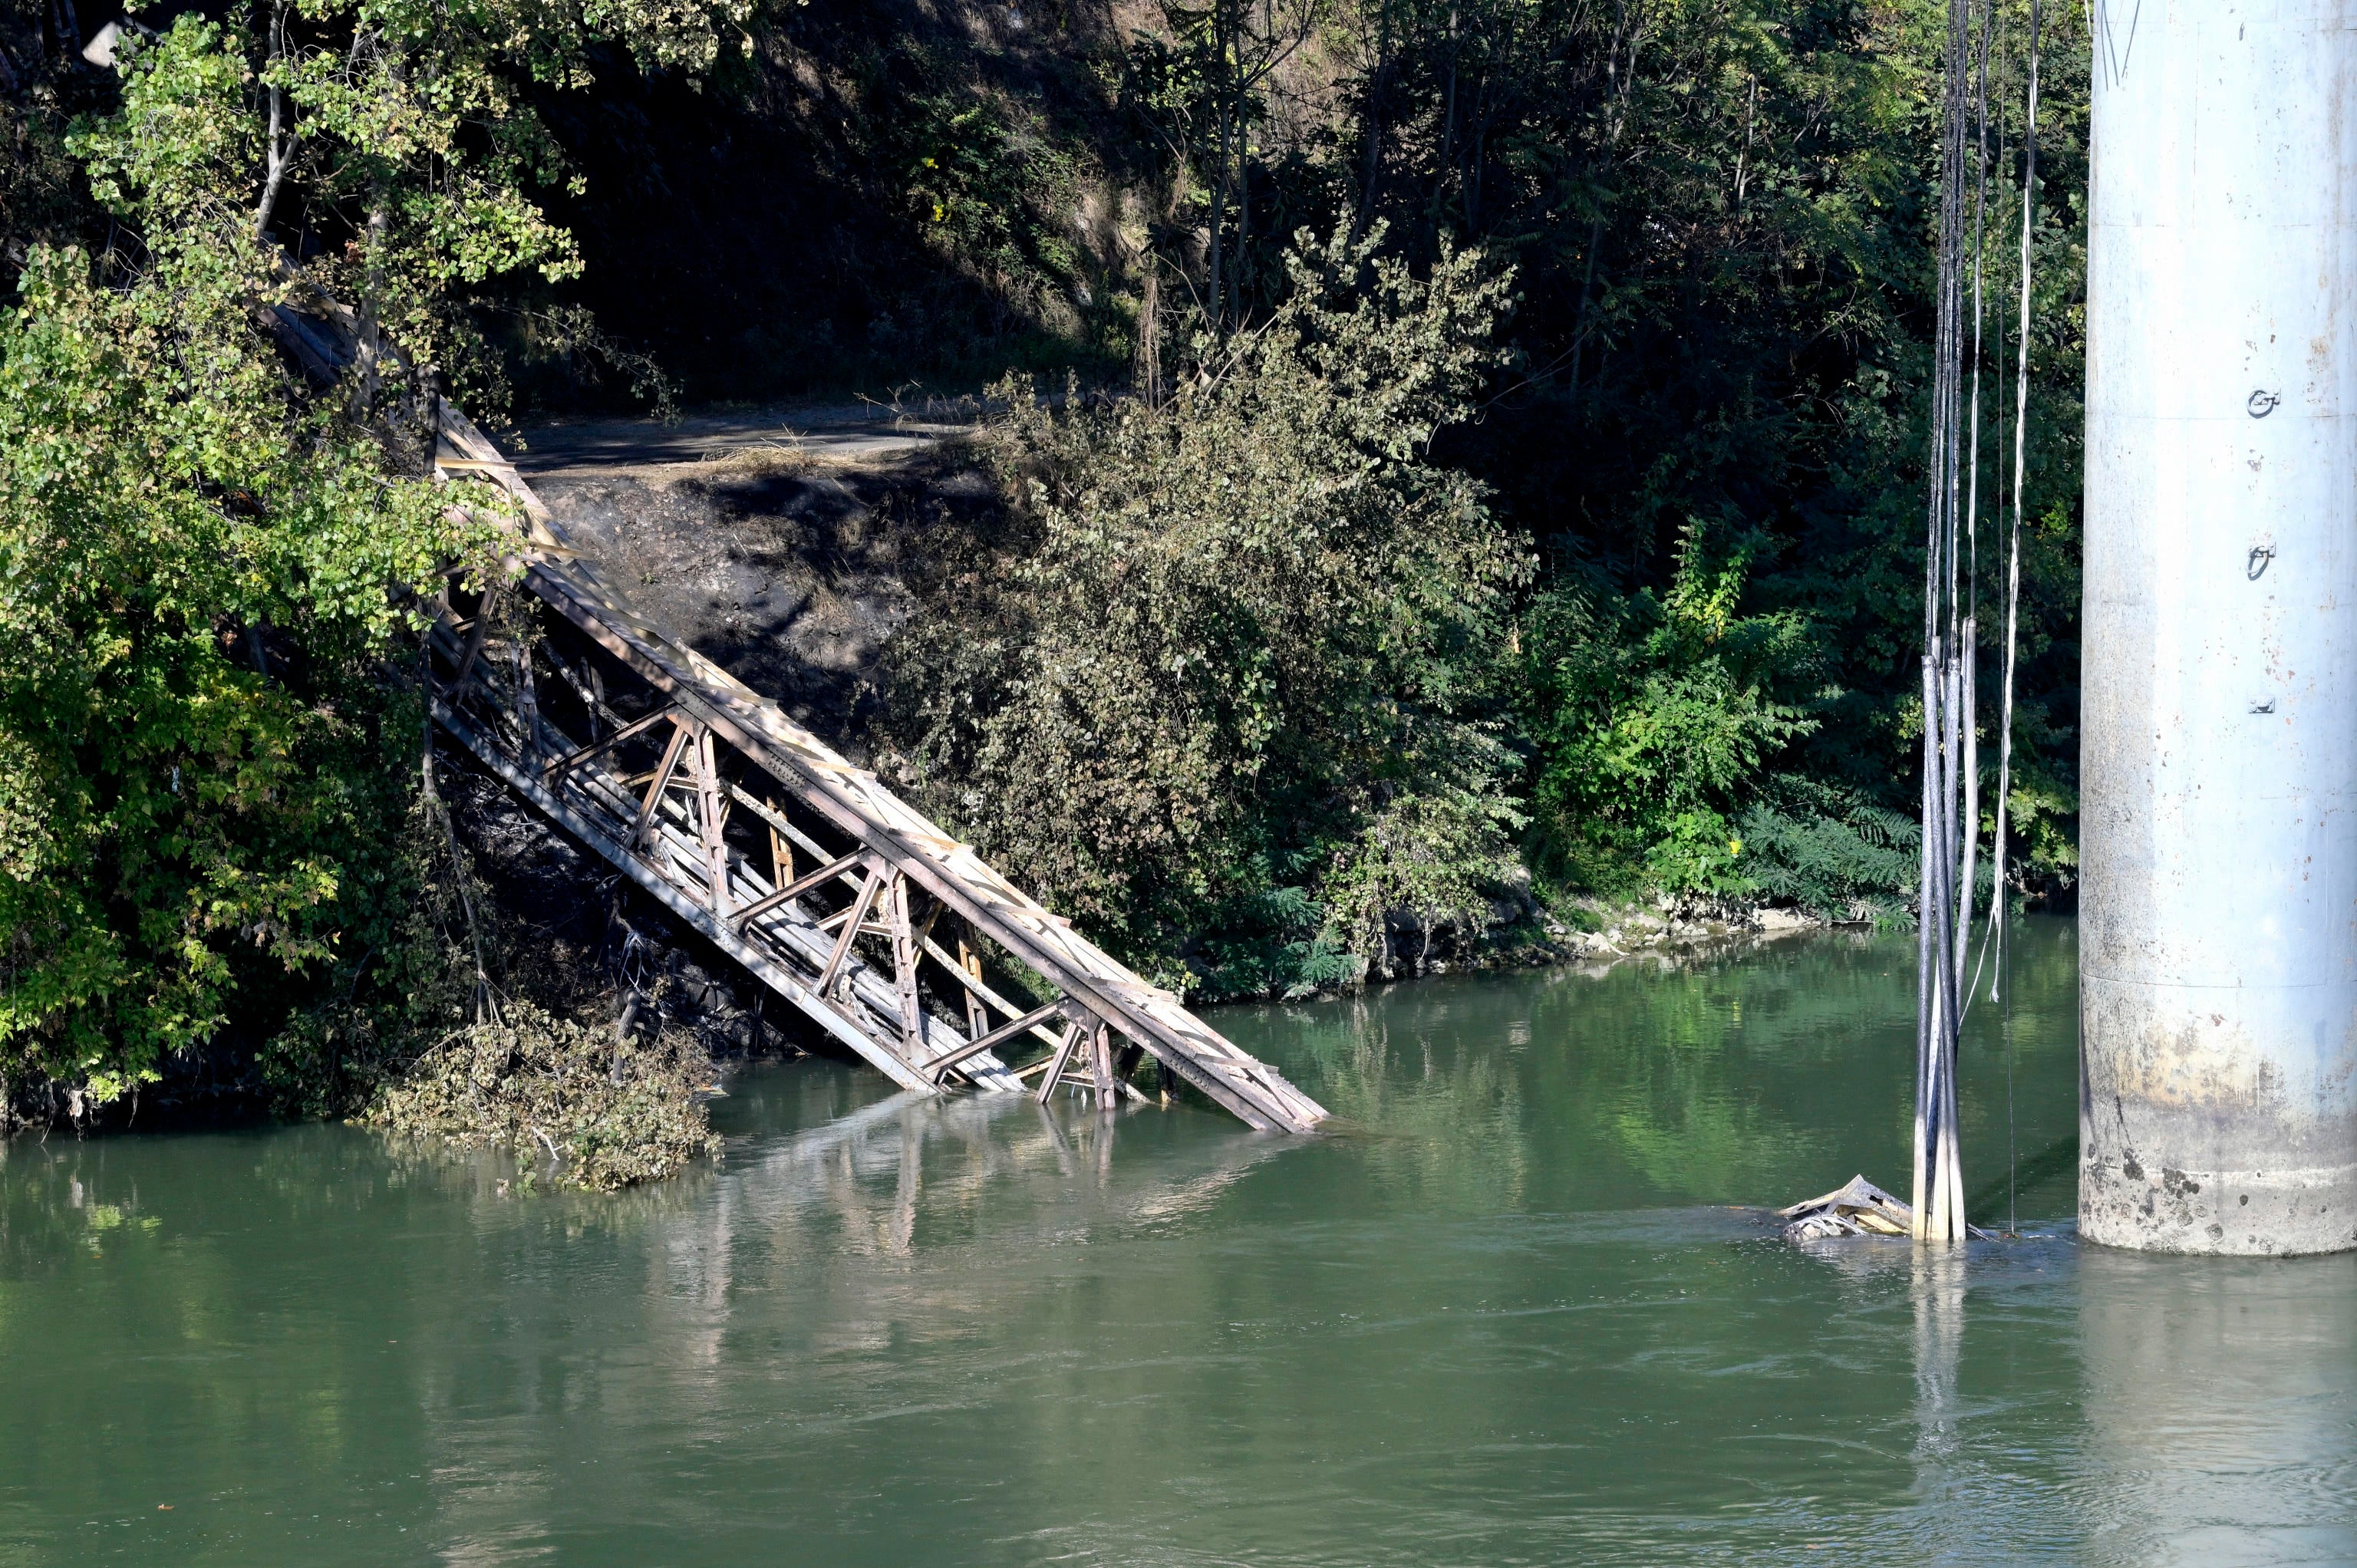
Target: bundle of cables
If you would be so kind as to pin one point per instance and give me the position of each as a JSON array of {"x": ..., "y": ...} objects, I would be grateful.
[{"x": 1950, "y": 800}]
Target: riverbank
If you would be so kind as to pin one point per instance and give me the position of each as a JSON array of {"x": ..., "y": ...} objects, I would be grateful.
[
  {"x": 791, "y": 544},
  {"x": 793, "y": 556}
]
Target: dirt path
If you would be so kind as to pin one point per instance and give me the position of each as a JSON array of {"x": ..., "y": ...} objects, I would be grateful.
[{"x": 853, "y": 434}]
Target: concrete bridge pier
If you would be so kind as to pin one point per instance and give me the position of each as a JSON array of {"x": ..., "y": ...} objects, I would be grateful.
[{"x": 2218, "y": 1066}]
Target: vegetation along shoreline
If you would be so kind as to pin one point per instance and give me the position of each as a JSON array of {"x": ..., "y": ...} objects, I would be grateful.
[{"x": 1427, "y": 508}]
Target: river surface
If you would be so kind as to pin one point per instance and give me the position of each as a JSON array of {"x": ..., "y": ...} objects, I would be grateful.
[{"x": 1504, "y": 1314}]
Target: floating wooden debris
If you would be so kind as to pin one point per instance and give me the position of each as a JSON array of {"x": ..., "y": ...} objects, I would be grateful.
[{"x": 1858, "y": 1208}]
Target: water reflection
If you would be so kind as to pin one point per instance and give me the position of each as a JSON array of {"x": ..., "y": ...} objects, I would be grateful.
[
  {"x": 2220, "y": 1408},
  {"x": 1936, "y": 1289},
  {"x": 1753, "y": 1075},
  {"x": 855, "y": 1186},
  {"x": 1502, "y": 1315}
]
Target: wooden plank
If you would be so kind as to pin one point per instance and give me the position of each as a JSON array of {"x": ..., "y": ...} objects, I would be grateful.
[
  {"x": 659, "y": 783},
  {"x": 527, "y": 699},
  {"x": 777, "y": 819},
  {"x": 475, "y": 638},
  {"x": 904, "y": 971},
  {"x": 857, "y": 913},
  {"x": 580, "y": 755},
  {"x": 968, "y": 969},
  {"x": 790, "y": 933},
  {"x": 707, "y": 800},
  {"x": 678, "y": 853},
  {"x": 1055, "y": 1063},
  {"x": 1185, "y": 1066},
  {"x": 975, "y": 987},
  {"x": 782, "y": 856},
  {"x": 1101, "y": 1064}
]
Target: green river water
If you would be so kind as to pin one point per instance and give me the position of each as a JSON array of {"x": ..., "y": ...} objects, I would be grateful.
[{"x": 1504, "y": 1314}]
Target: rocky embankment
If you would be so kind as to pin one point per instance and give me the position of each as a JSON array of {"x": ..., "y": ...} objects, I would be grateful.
[{"x": 1599, "y": 932}]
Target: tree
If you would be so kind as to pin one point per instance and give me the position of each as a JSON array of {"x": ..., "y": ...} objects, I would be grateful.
[
  {"x": 1227, "y": 652},
  {"x": 207, "y": 762}
]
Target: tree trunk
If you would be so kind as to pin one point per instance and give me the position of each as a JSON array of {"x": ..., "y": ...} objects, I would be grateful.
[
  {"x": 279, "y": 142},
  {"x": 1623, "y": 76},
  {"x": 1219, "y": 221},
  {"x": 368, "y": 354},
  {"x": 1382, "y": 84}
]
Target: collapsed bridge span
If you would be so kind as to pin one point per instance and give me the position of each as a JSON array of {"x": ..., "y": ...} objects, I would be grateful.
[{"x": 805, "y": 870}]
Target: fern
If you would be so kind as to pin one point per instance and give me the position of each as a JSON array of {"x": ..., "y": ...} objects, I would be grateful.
[{"x": 1854, "y": 864}]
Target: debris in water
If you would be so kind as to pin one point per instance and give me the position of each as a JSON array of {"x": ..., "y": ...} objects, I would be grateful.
[{"x": 1856, "y": 1208}]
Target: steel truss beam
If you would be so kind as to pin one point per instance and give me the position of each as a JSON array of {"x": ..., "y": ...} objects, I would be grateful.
[{"x": 729, "y": 747}]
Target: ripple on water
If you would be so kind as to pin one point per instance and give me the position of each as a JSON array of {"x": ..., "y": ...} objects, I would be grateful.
[{"x": 1507, "y": 1314}]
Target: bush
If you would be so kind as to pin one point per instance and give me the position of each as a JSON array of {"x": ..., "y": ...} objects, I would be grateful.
[
  {"x": 1655, "y": 718},
  {"x": 1426, "y": 862},
  {"x": 203, "y": 804},
  {"x": 1235, "y": 630},
  {"x": 1859, "y": 863},
  {"x": 604, "y": 1112}
]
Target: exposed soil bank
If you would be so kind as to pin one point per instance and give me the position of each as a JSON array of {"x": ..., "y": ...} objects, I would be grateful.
[
  {"x": 779, "y": 546},
  {"x": 788, "y": 567}
]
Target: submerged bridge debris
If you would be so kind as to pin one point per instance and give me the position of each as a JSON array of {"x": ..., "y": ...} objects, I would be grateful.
[
  {"x": 803, "y": 868},
  {"x": 1857, "y": 1207}
]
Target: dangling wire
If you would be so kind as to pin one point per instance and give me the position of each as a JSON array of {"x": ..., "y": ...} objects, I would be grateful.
[
  {"x": 1950, "y": 595},
  {"x": 2020, "y": 458},
  {"x": 2002, "y": 161},
  {"x": 2001, "y": 979},
  {"x": 1969, "y": 638}
]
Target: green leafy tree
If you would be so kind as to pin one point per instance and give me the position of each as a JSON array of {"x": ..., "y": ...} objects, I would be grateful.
[
  {"x": 1231, "y": 642},
  {"x": 1655, "y": 716},
  {"x": 185, "y": 814},
  {"x": 207, "y": 764}
]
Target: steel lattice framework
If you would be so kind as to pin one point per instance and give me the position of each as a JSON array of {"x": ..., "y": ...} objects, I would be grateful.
[{"x": 803, "y": 868}]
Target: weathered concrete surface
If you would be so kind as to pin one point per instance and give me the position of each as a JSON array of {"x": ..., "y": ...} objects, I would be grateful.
[{"x": 2218, "y": 1109}]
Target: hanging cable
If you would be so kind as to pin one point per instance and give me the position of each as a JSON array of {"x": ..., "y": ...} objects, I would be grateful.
[
  {"x": 2003, "y": 161},
  {"x": 1968, "y": 633},
  {"x": 1945, "y": 894},
  {"x": 2020, "y": 451},
  {"x": 2013, "y": 598}
]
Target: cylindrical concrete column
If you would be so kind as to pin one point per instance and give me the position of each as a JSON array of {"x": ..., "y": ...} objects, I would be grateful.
[{"x": 2217, "y": 814}]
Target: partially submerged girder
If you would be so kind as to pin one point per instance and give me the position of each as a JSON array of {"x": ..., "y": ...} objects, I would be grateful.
[{"x": 804, "y": 869}]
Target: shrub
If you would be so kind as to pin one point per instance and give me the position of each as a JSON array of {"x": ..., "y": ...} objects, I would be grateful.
[
  {"x": 1235, "y": 629},
  {"x": 1655, "y": 716},
  {"x": 604, "y": 1112}
]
